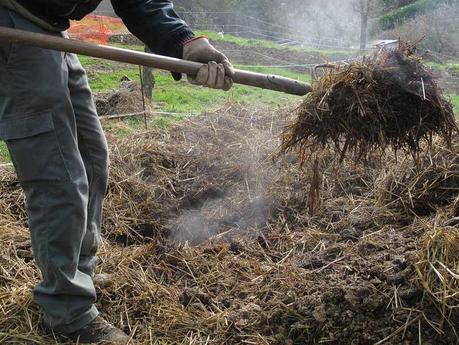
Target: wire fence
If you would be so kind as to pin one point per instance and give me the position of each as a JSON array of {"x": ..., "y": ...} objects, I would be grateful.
[
  {"x": 244, "y": 25},
  {"x": 240, "y": 24}
]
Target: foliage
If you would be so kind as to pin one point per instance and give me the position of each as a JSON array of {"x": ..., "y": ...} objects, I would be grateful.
[
  {"x": 393, "y": 4},
  {"x": 399, "y": 15},
  {"x": 436, "y": 31}
]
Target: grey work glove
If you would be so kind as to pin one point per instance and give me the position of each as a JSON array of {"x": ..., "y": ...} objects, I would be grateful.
[{"x": 218, "y": 71}]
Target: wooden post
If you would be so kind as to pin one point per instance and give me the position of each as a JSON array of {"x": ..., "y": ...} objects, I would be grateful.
[{"x": 148, "y": 79}]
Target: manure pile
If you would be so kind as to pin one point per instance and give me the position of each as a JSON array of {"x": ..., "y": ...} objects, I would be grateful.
[
  {"x": 261, "y": 266},
  {"x": 127, "y": 99},
  {"x": 388, "y": 100}
]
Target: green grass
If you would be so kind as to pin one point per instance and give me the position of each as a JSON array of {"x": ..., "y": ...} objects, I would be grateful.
[
  {"x": 106, "y": 81},
  {"x": 182, "y": 97},
  {"x": 284, "y": 72},
  {"x": 89, "y": 61},
  {"x": 4, "y": 155},
  {"x": 450, "y": 66},
  {"x": 455, "y": 100},
  {"x": 251, "y": 42}
]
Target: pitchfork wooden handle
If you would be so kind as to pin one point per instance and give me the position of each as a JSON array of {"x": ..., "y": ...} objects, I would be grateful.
[{"x": 271, "y": 82}]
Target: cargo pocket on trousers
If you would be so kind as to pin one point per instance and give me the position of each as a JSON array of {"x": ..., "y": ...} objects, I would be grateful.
[{"x": 34, "y": 148}]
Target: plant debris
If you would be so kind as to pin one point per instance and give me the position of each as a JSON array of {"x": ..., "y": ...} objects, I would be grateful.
[
  {"x": 265, "y": 270},
  {"x": 127, "y": 99},
  {"x": 388, "y": 100},
  {"x": 420, "y": 189}
]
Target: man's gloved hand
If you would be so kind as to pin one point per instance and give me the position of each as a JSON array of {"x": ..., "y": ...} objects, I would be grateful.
[{"x": 217, "y": 73}]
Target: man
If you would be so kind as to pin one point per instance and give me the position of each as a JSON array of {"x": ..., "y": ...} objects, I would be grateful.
[{"x": 49, "y": 122}]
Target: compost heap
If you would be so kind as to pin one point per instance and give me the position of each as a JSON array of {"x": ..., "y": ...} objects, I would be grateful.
[
  {"x": 126, "y": 99},
  {"x": 210, "y": 241},
  {"x": 387, "y": 100}
]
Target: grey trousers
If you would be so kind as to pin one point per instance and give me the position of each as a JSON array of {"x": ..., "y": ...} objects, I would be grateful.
[{"x": 49, "y": 122}]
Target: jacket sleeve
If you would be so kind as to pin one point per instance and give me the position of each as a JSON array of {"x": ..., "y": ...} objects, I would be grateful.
[
  {"x": 63, "y": 3},
  {"x": 69, "y": 9},
  {"x": 155, "y": 23}
]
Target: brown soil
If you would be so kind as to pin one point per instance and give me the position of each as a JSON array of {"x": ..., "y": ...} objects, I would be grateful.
[{"x": 211, "y": 242}]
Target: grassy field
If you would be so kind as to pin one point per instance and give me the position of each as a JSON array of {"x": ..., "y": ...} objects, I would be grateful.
[
  {"x": 451, "y": 66},
  {"x": 251, "y": 42},
  {"x": 185, "y": 98}
]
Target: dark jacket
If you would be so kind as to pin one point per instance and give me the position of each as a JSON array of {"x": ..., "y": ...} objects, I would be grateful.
[{"x": 153, "y": 21}]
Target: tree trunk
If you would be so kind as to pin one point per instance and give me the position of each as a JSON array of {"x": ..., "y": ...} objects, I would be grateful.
[
  {"x": 363, "y": 30},
  {"x": 148, "y": 79}
]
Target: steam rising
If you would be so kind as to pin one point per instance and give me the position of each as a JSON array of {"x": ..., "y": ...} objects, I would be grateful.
[{"x": 245, "y": 205}]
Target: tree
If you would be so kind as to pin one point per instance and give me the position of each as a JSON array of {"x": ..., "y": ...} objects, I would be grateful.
[
  {"x": 436, "y": 31},
  {"x": 366, "y": 9}
]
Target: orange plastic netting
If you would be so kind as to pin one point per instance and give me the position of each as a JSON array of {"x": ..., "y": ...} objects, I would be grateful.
[{"x": 96, "y": 28}]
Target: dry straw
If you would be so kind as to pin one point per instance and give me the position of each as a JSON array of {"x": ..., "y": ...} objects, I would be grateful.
[
  {"x": 271, "y": 273},
  {"x": 438, "y": 269},
  {"x": 387, "y": 100},
  {"x": 127, "y": 99},
  {"x": 420, "y": 189}
]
